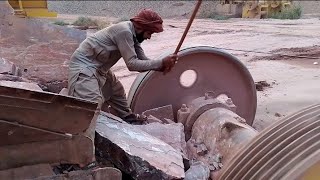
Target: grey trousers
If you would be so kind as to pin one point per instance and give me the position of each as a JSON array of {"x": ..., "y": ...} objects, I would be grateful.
[{"x": 106, "y": 90}]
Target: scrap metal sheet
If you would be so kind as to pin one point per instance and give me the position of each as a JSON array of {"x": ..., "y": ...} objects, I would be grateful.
[{"x": 28, "y": 116}]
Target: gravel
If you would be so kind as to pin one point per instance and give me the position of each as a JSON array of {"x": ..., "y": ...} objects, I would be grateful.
[
  {"x": 126, "y": 9},
  {"x": 308, "y": 7}
]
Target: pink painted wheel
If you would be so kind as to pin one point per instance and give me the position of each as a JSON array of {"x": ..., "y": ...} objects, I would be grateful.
[{"x": 199, "y": 70}]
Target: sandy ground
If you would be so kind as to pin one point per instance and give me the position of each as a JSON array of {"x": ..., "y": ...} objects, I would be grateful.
[{"x": 294, "y": 81}]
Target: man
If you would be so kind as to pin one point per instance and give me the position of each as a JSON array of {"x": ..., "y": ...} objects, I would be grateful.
[{"x": 90, "y": 76}]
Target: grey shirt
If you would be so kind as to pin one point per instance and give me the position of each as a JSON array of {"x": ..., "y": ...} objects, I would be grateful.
[{"x": 104, "y": 48}]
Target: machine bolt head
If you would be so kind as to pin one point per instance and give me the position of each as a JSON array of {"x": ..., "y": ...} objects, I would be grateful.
[
  {"x": 216, "y": 165},
  {"x": 208, "y": 95},
  {"x": 184, "y": 108},
  {"x": 212, "y": 168},
  {"x": 10, "y": 132},
  {"x": 201, "y": 149}
]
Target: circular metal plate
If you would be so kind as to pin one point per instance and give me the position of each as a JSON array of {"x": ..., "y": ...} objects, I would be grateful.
[{"x": 216, "y": 71}]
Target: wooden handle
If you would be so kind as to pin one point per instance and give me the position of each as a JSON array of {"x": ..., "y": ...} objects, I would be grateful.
[{"x": 188, "y": 26}]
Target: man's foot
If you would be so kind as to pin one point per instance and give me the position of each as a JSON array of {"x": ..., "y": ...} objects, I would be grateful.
[{"x": 135, "y": 119}]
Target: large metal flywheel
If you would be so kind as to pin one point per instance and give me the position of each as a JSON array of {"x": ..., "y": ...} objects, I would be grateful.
[{"x": 199, "y": 70}]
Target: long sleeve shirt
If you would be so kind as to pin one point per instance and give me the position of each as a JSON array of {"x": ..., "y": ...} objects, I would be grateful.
[{"x": 104, "y": 48}]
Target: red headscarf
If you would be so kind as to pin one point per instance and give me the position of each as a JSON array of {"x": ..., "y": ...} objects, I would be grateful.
[{"x": 148, "y": 20}]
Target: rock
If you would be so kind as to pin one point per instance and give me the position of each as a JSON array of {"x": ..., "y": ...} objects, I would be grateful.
[
  {"x": 168, "y": 121},
  {"x": 198, "y": 171},
  {"x": 201, "y": 149},
  {"x": 7, "y": 77},
  {"x": 105, "y": 115},
  {"x": 173, "y": 134},
  {"x": 152, "y": 119},
  {"x": 64, "y": 91},
  {"x": 42, "y": 49},
  {"x": 80, "y": 27},
  {"x": 162, "y": 113},
  {"x": 106, "y": 173},
  {"x": 7, "y": 67},
  {"x": 21, "y": 85},
  {"x": 93, "y": 27},
  {"x": 261, "y": 85},
  {"x": 54, "y": 86},
  {"x": 277, "y": 114},
  {"x": 136, "y": 152}
]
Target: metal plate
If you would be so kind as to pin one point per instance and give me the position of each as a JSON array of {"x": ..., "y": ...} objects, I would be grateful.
[
  {"x": 287, "y": 145},
  {"x": 216, "y": 71},
  {"x": 29, "y": 116},
  {"x": 78, "y": 150}
]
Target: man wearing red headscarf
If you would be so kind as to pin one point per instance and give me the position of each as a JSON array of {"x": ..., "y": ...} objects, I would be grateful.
[{"x": 90, "y": 76}]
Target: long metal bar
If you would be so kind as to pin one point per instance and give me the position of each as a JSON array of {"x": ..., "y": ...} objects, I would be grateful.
[{"x": 188, "y": 26}]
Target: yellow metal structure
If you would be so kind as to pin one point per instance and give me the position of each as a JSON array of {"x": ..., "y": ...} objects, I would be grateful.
[
  {"x": 277, "y": 6},
  {"x": 255, "y": 9},
  {"x": 263, "y": 8},
  {"x": 31, "y": 8},
  {"x": 252, "y": 8}
]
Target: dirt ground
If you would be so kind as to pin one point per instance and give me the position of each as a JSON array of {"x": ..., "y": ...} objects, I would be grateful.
[{"x": 289, "y": 83}]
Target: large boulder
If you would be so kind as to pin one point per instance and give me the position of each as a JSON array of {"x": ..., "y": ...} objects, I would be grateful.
[
  {"x": 136, "y": 152},
  {"x": 173, "y": 134}
]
